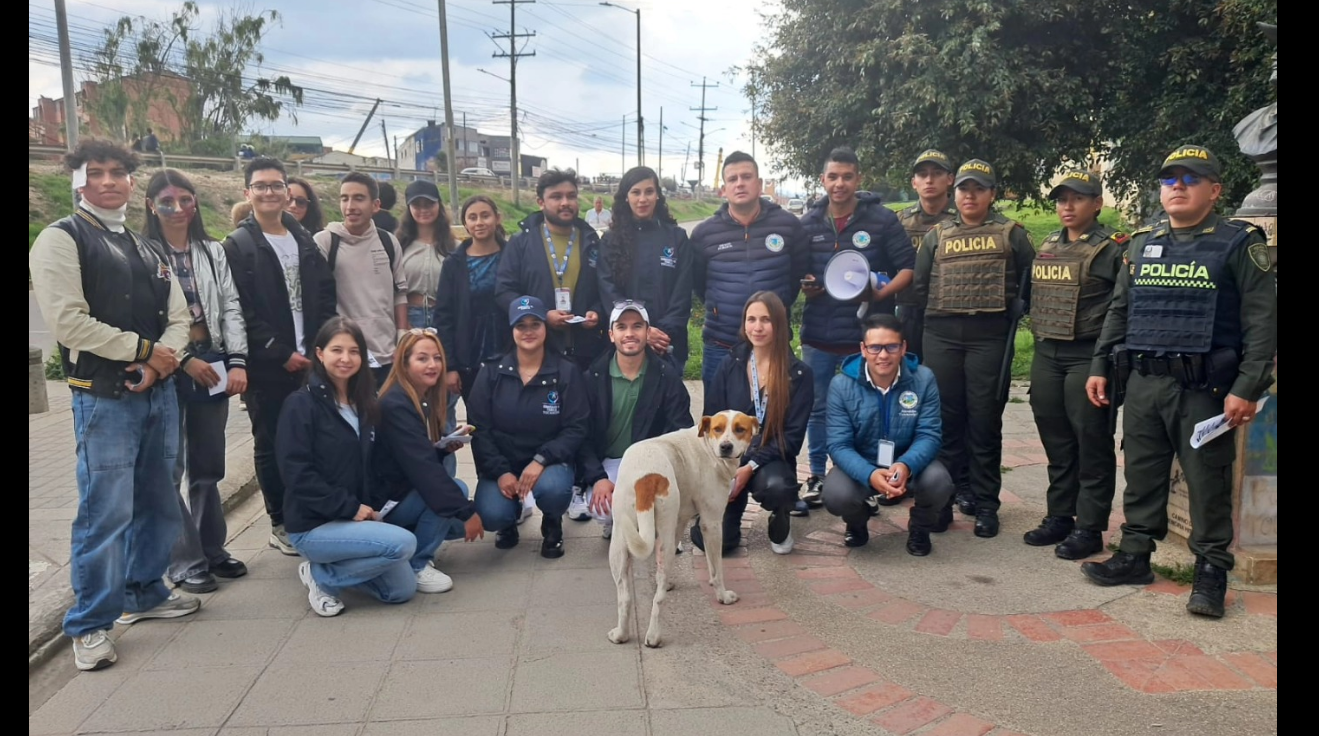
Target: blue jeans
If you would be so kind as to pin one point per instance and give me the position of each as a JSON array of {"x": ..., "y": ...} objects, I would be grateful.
[
  {"x": 372, "y": 555},
  {"x": 552, "y": 493},
  {"x": 431, "y": 530},
  {"x": 419, "y": 317},
  {"x": 128, "y": 508},
  {"x": 712, "y": 355},
  {"x": 824, "y": 365}
]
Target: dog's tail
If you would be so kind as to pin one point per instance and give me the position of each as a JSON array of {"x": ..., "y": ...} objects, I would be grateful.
[{"x": 649, "y": 488}]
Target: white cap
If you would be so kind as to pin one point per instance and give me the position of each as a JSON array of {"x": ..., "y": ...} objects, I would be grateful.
[{"x": 628, "y": 306}]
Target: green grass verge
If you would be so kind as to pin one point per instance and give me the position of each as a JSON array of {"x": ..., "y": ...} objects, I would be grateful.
[
  {"x": 1038, "y": 221},
  {"x": 1181, "y": 573}
]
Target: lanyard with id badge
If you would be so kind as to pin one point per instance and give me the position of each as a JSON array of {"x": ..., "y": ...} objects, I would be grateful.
[
  {"x": 885, "y": 452},
  {"x": 562, "y": 294}
]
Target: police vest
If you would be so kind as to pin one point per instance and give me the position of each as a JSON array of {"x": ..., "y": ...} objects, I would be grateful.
[
  {"x": 1182, "y": 298},
  {"x": 972, "y": 271},
  {"x": 1067, "y": 301},
  {"x": 912, "y": 222}
]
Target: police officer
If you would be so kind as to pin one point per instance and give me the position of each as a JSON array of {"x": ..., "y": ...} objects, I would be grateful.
[
  {"x": 968, "y": 275},
  {"x": 932, "y": 178},
  {"x": 1195, "y": 318},
  {"x": 1071, "y": 284}
]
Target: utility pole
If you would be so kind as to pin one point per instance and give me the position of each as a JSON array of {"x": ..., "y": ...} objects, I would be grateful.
[
  {"x": 659, "y": 172},
  {"x": 365, "y": 123},
  {"x": 66, "y": 76},
  {"x": 700, "y": 146},
  {"x": 448, "y": 113},
  {"x": 641, "y": 122},
  {"x": 622, "y": 151},
  {"x": 384, "y": 136},
  {"x": 515, "y": 157},
  {"x": 685, "y": 159},
  {"x": 466, "y": 148}
]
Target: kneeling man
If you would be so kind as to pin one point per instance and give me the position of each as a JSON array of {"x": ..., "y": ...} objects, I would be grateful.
[{"x": 884, "y": 433}]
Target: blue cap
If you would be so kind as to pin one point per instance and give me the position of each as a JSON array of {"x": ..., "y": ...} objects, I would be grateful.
[{"x": 525, "y": 306}]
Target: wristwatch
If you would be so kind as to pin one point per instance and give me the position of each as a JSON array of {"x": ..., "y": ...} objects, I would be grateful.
[
  {"x": 539, "y": 458},
  {"x": 753, "y": 465}
]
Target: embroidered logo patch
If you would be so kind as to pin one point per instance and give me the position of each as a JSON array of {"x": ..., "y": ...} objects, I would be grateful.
[{"x": 774, "y": 242}]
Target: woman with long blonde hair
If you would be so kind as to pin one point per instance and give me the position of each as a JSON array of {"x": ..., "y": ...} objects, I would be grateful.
[
  {"x": 410, "y": 459},
  {"x": 761, "y": 377}
]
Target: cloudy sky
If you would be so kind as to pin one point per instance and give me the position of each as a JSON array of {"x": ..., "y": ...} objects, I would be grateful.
[{"x": 573, "y": 95}]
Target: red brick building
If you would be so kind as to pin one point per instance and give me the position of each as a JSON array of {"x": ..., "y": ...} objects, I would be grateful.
[{"x": 169, "y": 94}]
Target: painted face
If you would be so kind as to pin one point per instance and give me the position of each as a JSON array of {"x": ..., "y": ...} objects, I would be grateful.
[
  {"x": 175, "y": 205},
  {"x": 341, "y": 357}
]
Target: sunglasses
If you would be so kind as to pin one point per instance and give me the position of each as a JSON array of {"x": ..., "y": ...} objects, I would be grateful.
[
  {"x": 629, "y": 304},
  {"x": 419, "y": 331},
  {"x": 300, "y": 201},
  {"x": 1188, "y": 179},
  {"x": 891, "y": 348}
]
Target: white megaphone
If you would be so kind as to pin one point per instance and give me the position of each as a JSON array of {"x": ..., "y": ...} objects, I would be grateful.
[{"x": 848, "y": 276}]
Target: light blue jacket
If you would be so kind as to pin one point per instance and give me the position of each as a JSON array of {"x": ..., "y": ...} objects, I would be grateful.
[{"x": 855, "y": 426}]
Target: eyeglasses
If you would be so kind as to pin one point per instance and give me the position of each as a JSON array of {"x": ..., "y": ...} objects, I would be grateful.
[
  {"x": 891, "y": 348},
  {"x": 300, "y": 201},
  {"x": 1188, "y": 179},
  {"x": 274, "y": 187}
]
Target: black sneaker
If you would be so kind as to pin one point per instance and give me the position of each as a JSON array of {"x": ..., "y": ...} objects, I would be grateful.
[
  {"x": 966, "y": 502},
  {"x": 1123, "y": 568},
  {"x": 780, "y": 526},
  {"x": 1208, "y": 590},
  {"x": 872, "y": 504},
  {"x": 1080, "y": 544},
  {"x": 1052, "y": 530},
  {"x": 890, "y": 500},
  {"x": 507, "y": 539},
  {"x": 551, "y": 528},
  {"x": 857, "y": 535},
  {"x": 918, "y": 543},
  {"x": 986, "y": 523},
  {"x": 800, "y": 508},
  {"x": 814, "y": 493},
  {"x": 202, "y": 582},
  {"x": 944, "y": 521},
  {"x": 698, "y": 540},
  {"x": 230, "y": 568}
]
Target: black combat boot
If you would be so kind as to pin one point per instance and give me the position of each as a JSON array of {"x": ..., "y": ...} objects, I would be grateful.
[
  {"x": 551, "y": 528},
  {"x": 1209, "y": 589},
  {"x": 944, "y": 521},
  {"x": 857, "y": 534},
  {"x": 1123, "y": 568},
  {"x": 1080, "y": 544},
  {"x": 507, "y": 539},
  {"x": 966, "y": 502},
  {"x": 1052, "y": 530},
  {"x": 986, "y": 523},
  {"x": 918, "y": 542}
]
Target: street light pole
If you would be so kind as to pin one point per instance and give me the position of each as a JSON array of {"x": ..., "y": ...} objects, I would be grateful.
[
  {"x": 641, "y": 121},
  {"x": 450, "y": 149}
]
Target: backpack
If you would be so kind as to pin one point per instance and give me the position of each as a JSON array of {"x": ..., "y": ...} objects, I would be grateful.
[{"x": 385, "y": 239}]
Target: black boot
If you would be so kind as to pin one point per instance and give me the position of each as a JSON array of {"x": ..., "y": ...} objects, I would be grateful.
[
  {"x": 966, "y": 502},
  {"x": 1080, "y": 544},
  {"x": 1052, "y": 530},
  {"x": 1209, "y": 590},
  {"x": 857, "y": 534},
  {"x": 698, "y": 539},
  {"x": 944, "y": 521},
  {"x": 890, "y": 500},
  {"x": 1123, "y": 568},
  {"x": 986, "y": 523},
  {"x": 507, "y": 539},
  {"x": 551, "y": 528},
  {"x": 918, "y": 543}
]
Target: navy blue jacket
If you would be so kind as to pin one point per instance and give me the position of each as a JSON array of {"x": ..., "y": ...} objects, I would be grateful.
[
  {"x": 733, "y": 262},
  {"x": 406, "y": 459},
  {"x": 661, "y": 279},
  {"x": 731, "y": 389},
  {"x": 549, "y": 417},
  {"x": 453, "y": 316},
  {"x": 873, "y": 231},
  {"x": 525, "y": 271},
  {"x": 854, "y": 426},
  {"x": 325, "y": 465},
  {"x": 664, "y": 406}
]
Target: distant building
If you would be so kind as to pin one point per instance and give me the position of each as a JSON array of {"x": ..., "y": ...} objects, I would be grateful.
[
  {"x": 300, "y": 144},
  {"x": 350, "y": 159},
  {"x": 473, "y": 149},
  {"x": 169, "y": 94}
]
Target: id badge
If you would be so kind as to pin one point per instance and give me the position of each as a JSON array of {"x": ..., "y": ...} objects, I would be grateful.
[
  {"x": 884, "y": 456},
  {"x": 563, "y": 300}
]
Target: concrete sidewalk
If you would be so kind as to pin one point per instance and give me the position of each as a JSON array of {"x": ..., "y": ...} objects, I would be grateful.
[{"x": 982, "y": 637}]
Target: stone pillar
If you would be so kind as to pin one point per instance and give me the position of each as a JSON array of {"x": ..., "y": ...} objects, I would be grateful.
[{"x": 36, "y": 382}]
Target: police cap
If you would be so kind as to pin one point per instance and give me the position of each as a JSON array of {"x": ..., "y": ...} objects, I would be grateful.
[
  {"x": 1197, "y": 159},
  {"x": 977, "y": 171},
  {"x": 1081, "y": 182},
  {"x": 932, "y": 156}
]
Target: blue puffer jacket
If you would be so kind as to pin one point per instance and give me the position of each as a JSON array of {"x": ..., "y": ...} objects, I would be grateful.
[
  {"x": 855, "y": 426},
  {"x": 733, "y": 262},
  {"x": 875, "y": 232}
]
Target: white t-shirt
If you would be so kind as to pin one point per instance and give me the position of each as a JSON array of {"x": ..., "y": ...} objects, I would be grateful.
[
  {"x": 599, "y": 220},
  {"x": 286, "y": 247}
]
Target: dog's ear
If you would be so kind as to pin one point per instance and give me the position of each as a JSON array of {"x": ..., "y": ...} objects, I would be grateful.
[
  {"x": 755, "y": 426},
  {"x": 705, "y": 427}
]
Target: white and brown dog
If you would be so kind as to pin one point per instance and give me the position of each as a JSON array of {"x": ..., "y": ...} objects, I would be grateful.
[{"x": 662, "y": 483}]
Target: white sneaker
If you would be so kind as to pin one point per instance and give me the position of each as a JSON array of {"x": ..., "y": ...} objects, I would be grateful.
[
  {"x": 782, "y": 548},
  {"x": 94, "y": 651},
  {"x": 577, "y": 508},
  {"x": 279, "y": 539},
  {"x": 872, "y": 504},
  {"x": 430, "y": 580},
  {"x": 175, "y": 606},
  {"x": 607, "y": 531},
  {"x": 527, "y": 507},
  {"x": 322, "y": 603}
]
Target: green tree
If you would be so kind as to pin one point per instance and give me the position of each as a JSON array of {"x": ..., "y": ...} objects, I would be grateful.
[{"x": 1028, "y": 85}]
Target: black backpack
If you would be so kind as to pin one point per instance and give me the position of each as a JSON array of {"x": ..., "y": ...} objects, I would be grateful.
[{"x": 385, "y": 238}]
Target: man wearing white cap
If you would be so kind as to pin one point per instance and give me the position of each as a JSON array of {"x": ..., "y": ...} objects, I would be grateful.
[{"x": 634, "y": 396}]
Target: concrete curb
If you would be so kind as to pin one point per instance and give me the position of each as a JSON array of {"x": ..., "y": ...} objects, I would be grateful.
[{"x": 46, "y": 638}]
